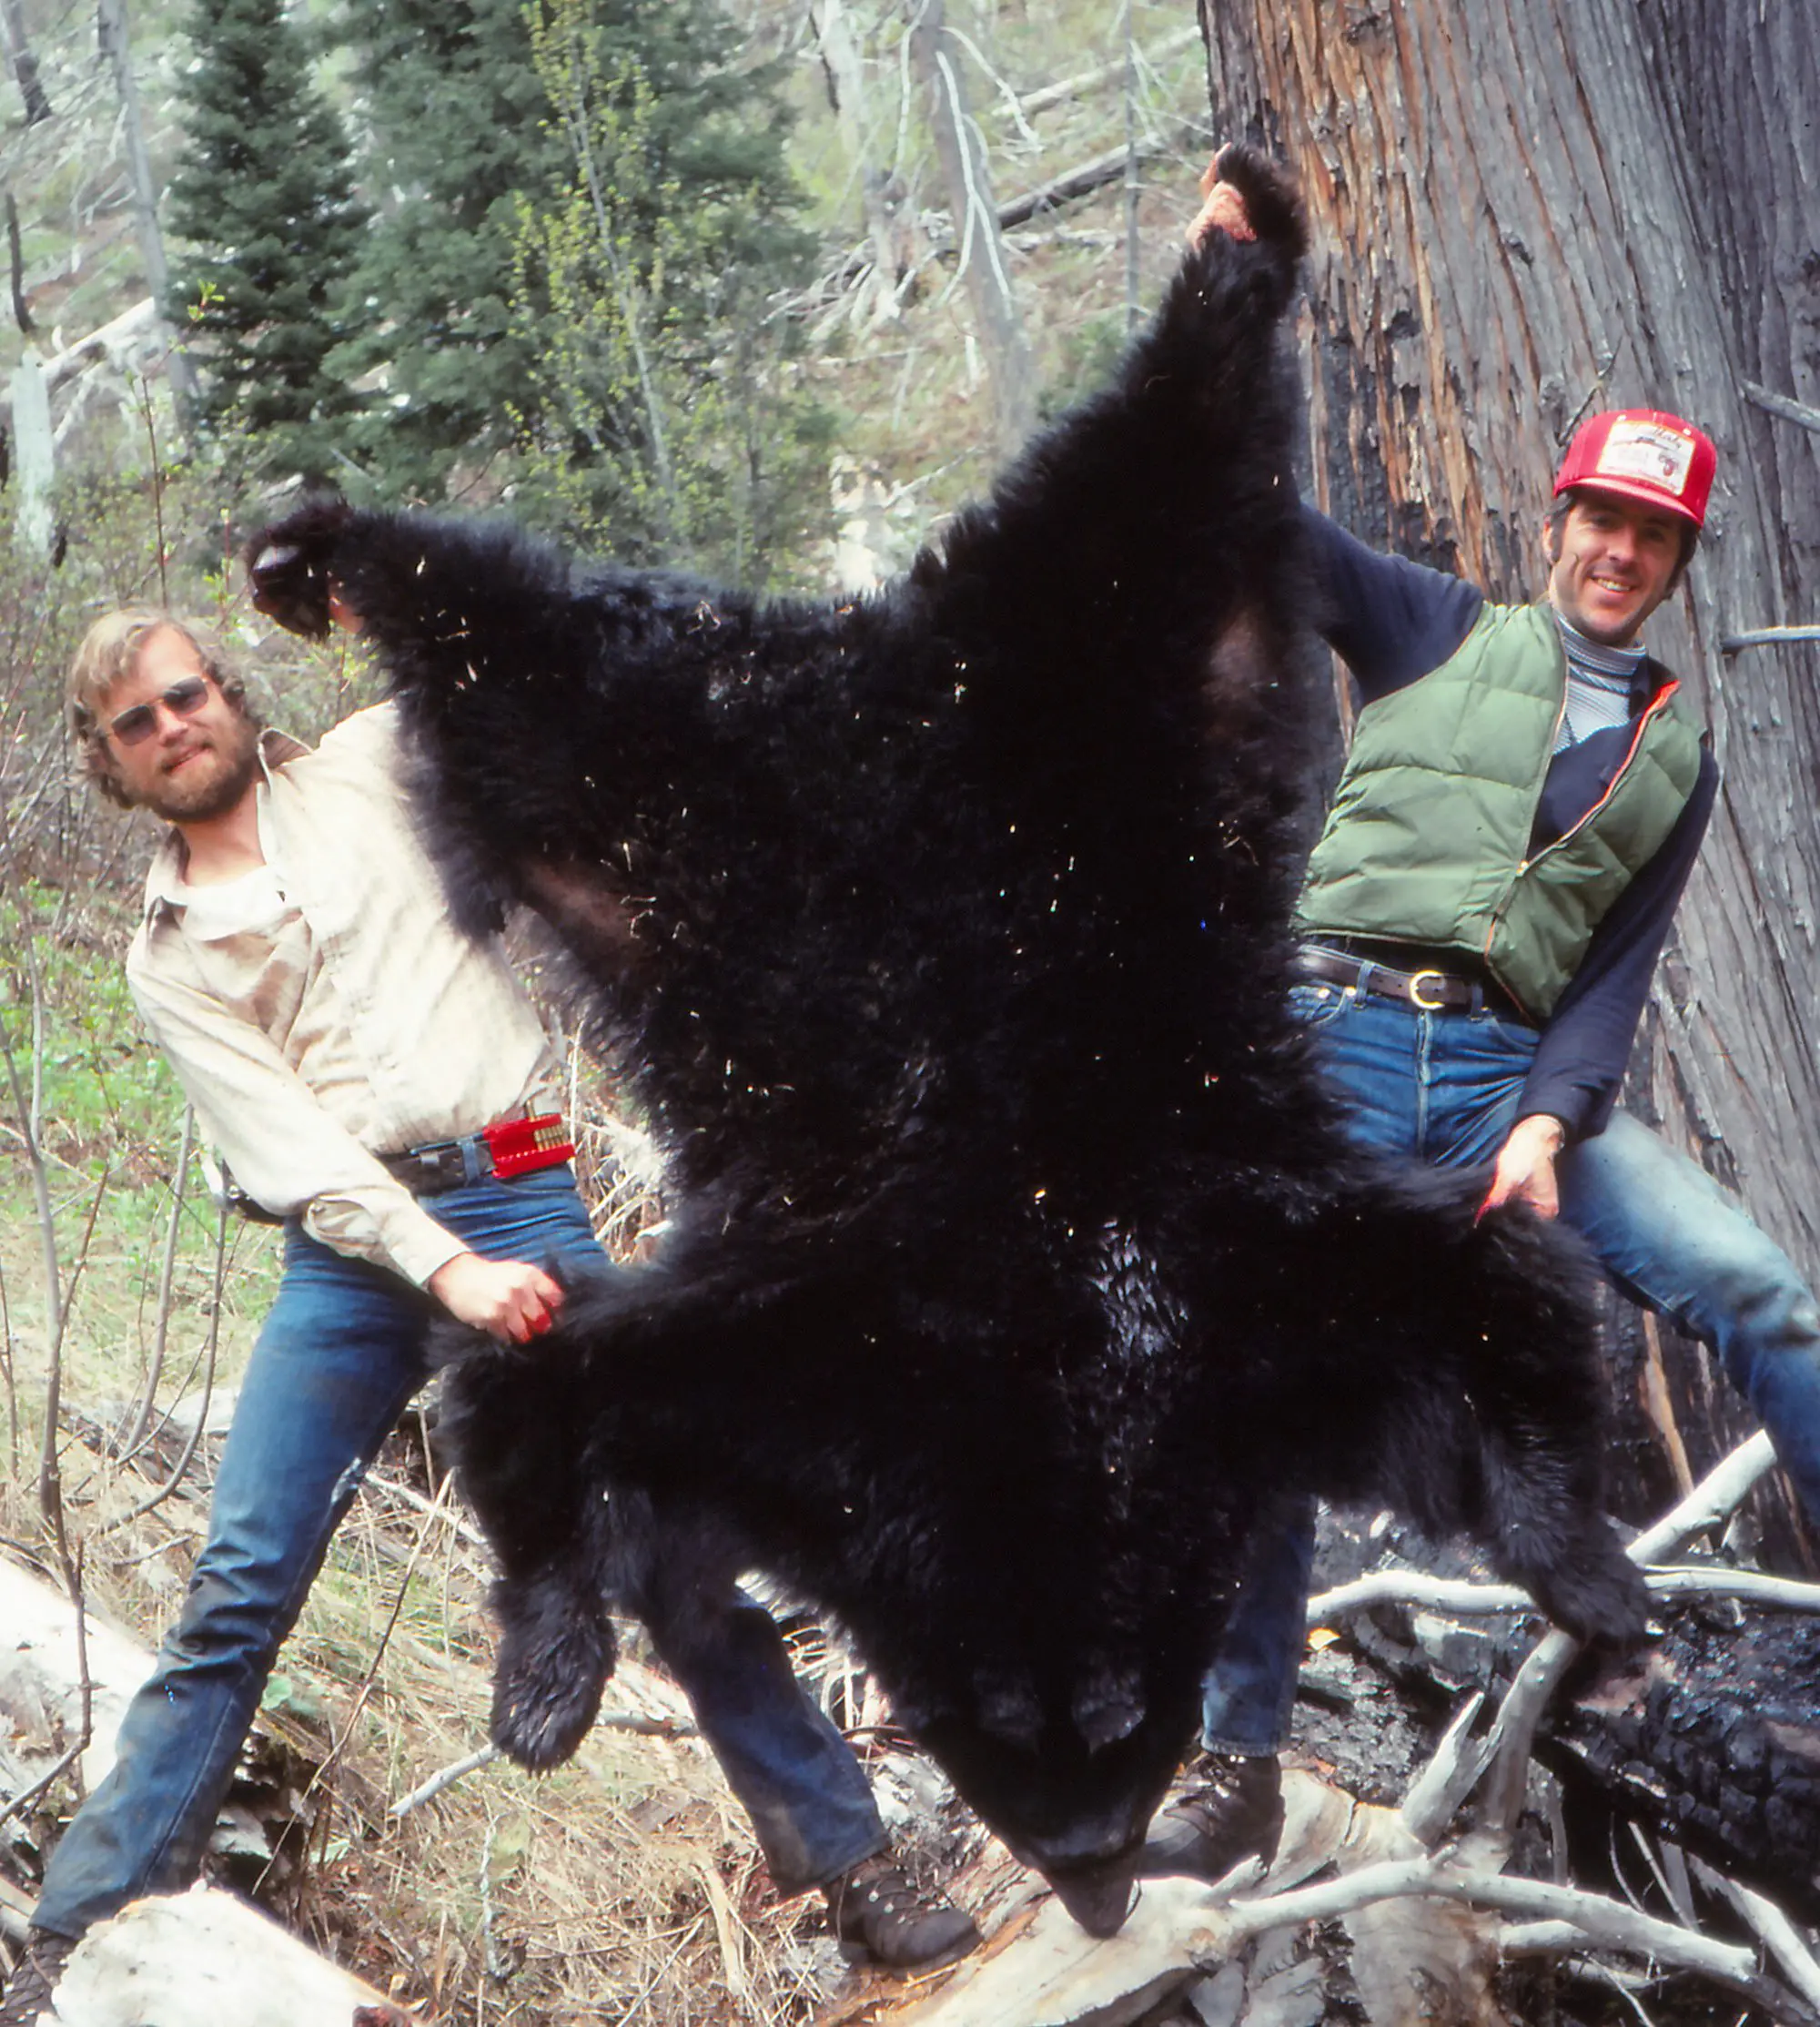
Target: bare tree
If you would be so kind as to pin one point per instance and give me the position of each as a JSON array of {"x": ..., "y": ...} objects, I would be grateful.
[
  {"x": 839, "y": 40},
  {"x": 985, "y": 263},
  {"x": 111, "y": 28},
  {"x": 1525, "y": 213}
]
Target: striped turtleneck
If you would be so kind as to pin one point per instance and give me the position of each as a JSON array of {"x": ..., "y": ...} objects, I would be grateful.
[{"x": 1601, "y": 683}]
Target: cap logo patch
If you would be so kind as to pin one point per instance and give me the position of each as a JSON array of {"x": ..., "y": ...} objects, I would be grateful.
[{"x": 1646, "y": 451}]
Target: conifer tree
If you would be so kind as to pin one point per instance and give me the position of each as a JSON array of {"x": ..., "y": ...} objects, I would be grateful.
[
  {"x": 265, "y": 199},
  {"x": 458, "y": 130},
  {"x": 664, "y": 417},
  {"x": 487, "y": 283}
]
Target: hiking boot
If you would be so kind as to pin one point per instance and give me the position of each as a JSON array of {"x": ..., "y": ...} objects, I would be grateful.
[
  {"x": 880, "y": 1915},
  {"x": 29, "y": 1989},
  {"x": 1231, "y": 1808}
]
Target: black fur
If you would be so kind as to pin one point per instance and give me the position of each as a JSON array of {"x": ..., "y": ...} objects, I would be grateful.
[{"x": 943, "y": 937}]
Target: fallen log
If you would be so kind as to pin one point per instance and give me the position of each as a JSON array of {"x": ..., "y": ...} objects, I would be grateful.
[
  {"x": 1708, "y": 1737},
  {"x": 205, "y": 1956},
  {"x": 131, "y": 337},
  {"x": 45, "y": 1675},
  {"x": 1390, "y": 1921},
  {"x": 41, "y": 1675},
  {"x": 1712, "y": 1737}
]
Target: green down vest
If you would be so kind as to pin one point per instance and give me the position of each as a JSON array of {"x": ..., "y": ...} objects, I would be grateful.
[{"x": 1427, "y": 841}]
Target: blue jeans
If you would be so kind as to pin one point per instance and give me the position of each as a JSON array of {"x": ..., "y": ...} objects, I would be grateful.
[
  {"x": 1444, "y": 1087},
  {"x": 340, "y": 1354}
]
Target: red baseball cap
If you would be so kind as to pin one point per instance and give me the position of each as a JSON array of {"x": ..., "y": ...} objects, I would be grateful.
[{"x": 1645, "y": 454}]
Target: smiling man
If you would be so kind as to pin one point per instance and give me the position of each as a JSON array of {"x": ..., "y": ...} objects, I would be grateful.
[{"x": 1524, "y": 797}]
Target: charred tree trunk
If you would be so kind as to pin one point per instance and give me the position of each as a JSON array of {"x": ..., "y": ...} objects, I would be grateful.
[
  {"x": 25, "y": 64},
  {"x": 1522, "y": 213}
]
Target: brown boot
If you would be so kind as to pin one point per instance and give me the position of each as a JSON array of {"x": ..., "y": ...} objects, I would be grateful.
[
  {"x": 880, "y": 1915},
  {"x": 35, "y": 1977},
  {"x": 1231, "y": 1808}
]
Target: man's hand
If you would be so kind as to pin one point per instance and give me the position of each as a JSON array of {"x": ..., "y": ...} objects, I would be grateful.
[
  {"x": 508, "y": 1299},
  {"x": 1526, "y": 1166},
  {"x": 1222, "y": 208}
]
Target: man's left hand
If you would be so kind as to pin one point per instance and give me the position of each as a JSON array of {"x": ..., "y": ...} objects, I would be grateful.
[{"x": 1526, "y": 1166}]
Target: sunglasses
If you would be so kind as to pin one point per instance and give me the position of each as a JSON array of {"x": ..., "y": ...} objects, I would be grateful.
[{"x": 182, "y": 700}]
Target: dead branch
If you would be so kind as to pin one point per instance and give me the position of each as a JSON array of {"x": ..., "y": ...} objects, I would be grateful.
[
  {"x": 1056, "y": 1976},
  {"x": 1711, "y": 1503},
  {"x": 1417, "y": 1588},
  {"x": 408, "y": 1496},
  {"x": 608, "y": 1720},
  {"x": 1086, "y": 178},
  {"x": 1453, "y": 1771},
  {"x": 981, "y": 265},
  {"x": 136, "y": 1431},
  {"x": 1001, "y": 90},
  {"x": 1102, "y": 75},
  {"x": 1464, "y": 1598},
  {"x": 1766, "y": 636},
  {"x": 121, "y": 335},
  {"x": 1785, "y": 1941},
  {"x": 1784, "y": 405},
  {"x": 1595, "y": 1918}
]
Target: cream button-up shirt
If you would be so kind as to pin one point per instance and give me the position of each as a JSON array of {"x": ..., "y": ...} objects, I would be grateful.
[{"x": 332, "y": 1012}]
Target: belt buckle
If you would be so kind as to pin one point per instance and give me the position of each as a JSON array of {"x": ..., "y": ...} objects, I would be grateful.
[{"x": 1416, "y": 999}]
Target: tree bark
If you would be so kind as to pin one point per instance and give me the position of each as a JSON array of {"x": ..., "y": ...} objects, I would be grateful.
[
  {"x": 986, "y": 267},
  {"x": 111, "y": 28},
  {"x": 15, "y": 268},
  {"x": 1523, "y": 213}
]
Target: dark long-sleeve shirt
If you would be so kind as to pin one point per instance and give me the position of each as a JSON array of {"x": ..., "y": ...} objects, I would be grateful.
[{"x": 1390, "y": 622}]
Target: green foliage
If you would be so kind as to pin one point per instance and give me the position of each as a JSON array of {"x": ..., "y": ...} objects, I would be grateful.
[
  {"x": 662, "y": 416},
  {"x": 1089, "y": 354},
  {"x": 103, "y": 1084},
  {"x": 456, "y": 113},
  {"x": 265, "y": 197},
  {"x": 288, "y": 1695}
]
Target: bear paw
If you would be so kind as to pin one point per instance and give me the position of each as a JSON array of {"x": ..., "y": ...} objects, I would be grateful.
[
  {"x": 556, "y": 1652},
  {"x": 288, "y": 565},
  {"x": 1599, "y": 1594}
]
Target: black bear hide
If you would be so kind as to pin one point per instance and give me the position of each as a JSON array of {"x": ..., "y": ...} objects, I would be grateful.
[{"x": 1022, "y": 1262}]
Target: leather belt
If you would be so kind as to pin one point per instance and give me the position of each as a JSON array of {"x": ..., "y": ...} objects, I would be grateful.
[
  {"x": 513, "y": 1147},
  {"x": 1430, "y": 991}
]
